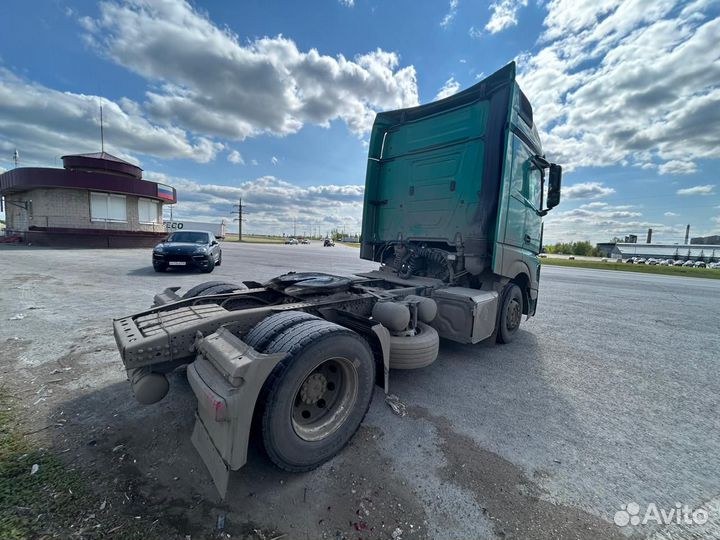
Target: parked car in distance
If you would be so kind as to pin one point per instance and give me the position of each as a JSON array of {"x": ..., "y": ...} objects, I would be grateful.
[
  {"x": 700, "y": 264},
  {"x": 689, "y": 263},
  {"x": 678, "y": 263},
  {"x": 631, "y": 260},
  {"x": 188, "y": 249},
  {"x": 328, "y": 243},
  {"x": 640, "y": 261},
  {"x": 305, "y": 241},
  {"x": 291, "y": 241}
]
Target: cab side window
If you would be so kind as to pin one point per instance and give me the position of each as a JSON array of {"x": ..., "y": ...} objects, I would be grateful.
[{"x": 526, "y": 177}]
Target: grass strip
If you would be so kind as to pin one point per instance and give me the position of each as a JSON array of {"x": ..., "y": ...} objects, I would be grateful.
[{"x": 708, "y": 273}]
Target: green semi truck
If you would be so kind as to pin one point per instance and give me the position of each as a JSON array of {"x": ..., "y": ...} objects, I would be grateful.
[{"x": 455, "y": 192}]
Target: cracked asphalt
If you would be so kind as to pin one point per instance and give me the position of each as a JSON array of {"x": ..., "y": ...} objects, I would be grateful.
[{"x": 608, "y": 396}]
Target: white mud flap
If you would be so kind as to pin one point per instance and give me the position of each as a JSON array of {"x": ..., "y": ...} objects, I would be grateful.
[{"x": 226, "y": 378}]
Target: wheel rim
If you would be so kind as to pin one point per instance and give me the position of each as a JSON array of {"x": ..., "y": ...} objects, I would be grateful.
[
  {"x": 324, "y": 399},
  {"x": 514, "y": 314}
]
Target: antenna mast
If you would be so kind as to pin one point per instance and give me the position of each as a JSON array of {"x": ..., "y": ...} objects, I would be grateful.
[{"x": 102, "y": 134}]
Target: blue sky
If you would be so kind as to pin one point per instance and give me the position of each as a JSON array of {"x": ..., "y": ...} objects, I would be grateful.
[{"x": 272, "y": 101}]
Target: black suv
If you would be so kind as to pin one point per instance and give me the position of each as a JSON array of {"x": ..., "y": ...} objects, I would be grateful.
[{"x": 198, "y": 249}]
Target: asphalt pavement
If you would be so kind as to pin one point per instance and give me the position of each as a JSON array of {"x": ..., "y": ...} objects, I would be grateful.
[{"x": 609, "y": 396}]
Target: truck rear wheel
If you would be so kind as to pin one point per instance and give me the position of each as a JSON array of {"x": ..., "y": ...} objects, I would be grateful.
[
  {"x": 264, "y": 331},
  {"x": 200, "y": 288},
  {"x": 510, "y": 314},
  {"x": 315, "y": 399}
]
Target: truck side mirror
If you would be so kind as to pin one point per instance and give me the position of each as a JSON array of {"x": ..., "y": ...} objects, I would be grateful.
[{"x": 555, "y": 179}]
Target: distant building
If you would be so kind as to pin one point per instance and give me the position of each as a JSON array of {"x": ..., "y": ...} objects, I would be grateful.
[
  {"x": 631, "y": 239},
  {"x": 706, "y": 240},
  {"x": 95, "y": 200},
  {"x": 605, "y": 248},
  {"x": 683, "y": 252}
]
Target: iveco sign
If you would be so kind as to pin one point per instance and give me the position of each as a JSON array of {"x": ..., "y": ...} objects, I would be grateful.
[{"x": 218, "y": 229}]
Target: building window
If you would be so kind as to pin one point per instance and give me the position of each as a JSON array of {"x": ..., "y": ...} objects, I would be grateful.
[
  {"x": 147, "y": 211},
  {"x": 107, "y": 207}
]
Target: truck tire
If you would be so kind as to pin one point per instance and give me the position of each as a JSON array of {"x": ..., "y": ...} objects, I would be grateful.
[
  {"x": 223, "y": 289},
  {"x": 510, "y": 314},
  {"x": 413, "y": 352},
  {"x": 260, "y": 336},
  {"x": 315, "y": 399},
  {"x": 201, "y": 287}
]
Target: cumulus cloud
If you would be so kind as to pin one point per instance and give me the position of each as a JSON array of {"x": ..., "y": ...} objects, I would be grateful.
[
  {"x": 236, "y": 157},
  {"x": 676, "y": 166},
  {"x": 448, "y": 18},
  {"x": 586, "y": 190},
  {"x": 602, "y": 223},
  {"x": 44, "y": 124},
  {"x": 450, "y": 87},
  {"x": 504, "y": 15},
  {"x": 271, "y": 204},
  {"x": 670, "y": 214},
  {"x": 207, "y": 81},
  {"x": 630, "y": 83},
  {"x": 347, "y": 3},
  {"x": 707, "y": 189}
]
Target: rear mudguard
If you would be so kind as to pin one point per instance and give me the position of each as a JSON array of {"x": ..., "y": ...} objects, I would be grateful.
[{"x": 226, "y": 377}]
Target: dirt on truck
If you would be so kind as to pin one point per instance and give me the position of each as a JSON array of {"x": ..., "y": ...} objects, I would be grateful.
[{"x": 454, "y": 199}]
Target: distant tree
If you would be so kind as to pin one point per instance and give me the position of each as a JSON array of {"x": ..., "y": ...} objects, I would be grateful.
[{"x": 583, "y": 248}]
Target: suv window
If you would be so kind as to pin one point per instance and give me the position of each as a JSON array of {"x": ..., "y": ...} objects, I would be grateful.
[{"x": 189, "y": 237}]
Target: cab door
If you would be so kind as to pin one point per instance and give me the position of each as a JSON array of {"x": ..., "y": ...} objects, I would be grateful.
[{"x": 522, "y": 226}]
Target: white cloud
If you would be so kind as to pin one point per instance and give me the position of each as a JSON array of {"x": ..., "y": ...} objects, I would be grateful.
[
  {"x": 596, "y": 204},
  {"x": 44, "y": 124},
  {"x": 270, "y": 204},
  {"x": 697, "y": 190},
  {"x": 274, "y": 160},
  {"x": 254, "y": 162},
  {"x": 676, "y": 166},
  {"x": 450, "y": 87},
  {"x": 347, "y": 3},
  {"x": 448, "y": 18},
  {"x": 586, "y": 190},
  {"x": 626, "y": 83},
  {"x": 236, "y": 157},
  {"x": 206, "y": 80},
  {"x": 504, "y": 15},
  {"x": 475, "y": 33},
  {"x": 716, "y": 219},
  {"x": 600, "y": 224},
  {"x": 670, "y": 214}
]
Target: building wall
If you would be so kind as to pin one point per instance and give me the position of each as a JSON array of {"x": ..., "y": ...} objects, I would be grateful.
[{"x": 70, "y": 208}]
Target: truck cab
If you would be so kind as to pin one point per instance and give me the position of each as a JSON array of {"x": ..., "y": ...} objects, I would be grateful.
[{"x": 456, "y": 189}]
